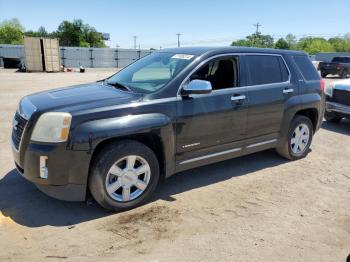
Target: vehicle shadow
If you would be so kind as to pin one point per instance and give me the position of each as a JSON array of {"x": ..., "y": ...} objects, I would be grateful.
[
  {"x": 22, "y": 202},
  {"x": 343, "y": 127},
  {"x": 218, "y": 172}
]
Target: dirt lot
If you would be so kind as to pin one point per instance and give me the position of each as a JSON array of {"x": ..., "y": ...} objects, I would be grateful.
[{"x": 254, "y": 208}]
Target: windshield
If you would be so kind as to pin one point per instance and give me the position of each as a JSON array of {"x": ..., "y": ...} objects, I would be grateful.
[{"x": 152, "y": 72}]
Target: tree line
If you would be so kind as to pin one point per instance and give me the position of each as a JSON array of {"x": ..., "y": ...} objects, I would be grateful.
[
  {"x": 77, "y": 33},
  {"x": 74, "y": 33},
  {"x": 311, "y": 45}
]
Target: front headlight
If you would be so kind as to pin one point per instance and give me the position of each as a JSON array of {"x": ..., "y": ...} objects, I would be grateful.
[{"x": 52, "y": 127}]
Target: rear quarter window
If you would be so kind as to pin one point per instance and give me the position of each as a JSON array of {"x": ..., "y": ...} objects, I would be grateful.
[{"x": 306, "y": 67}]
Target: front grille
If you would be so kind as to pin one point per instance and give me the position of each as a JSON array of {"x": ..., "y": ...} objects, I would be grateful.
[
  {"x": 17, "y": 130},
  {"x": 341, "y": 97}
]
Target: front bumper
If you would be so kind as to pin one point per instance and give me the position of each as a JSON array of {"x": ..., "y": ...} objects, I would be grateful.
[
  {"x": 67, "y": 170},
  {"x": 337, "y": 108}
]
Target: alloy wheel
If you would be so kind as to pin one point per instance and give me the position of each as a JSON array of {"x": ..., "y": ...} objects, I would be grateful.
[{"x": 128, "y": 178}]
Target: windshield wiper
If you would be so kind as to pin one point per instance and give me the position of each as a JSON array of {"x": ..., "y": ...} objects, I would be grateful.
[{"x": 119, "y": 85}]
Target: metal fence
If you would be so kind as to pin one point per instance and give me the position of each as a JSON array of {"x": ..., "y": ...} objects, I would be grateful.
[
  {"x": 80, "y": 56},
  {"x": 327, "y": 57}
]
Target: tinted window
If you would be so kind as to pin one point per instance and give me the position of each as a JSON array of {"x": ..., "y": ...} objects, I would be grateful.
[
  {"x": 306, "y": 67},
  {"x": 266, "y": 69},
  {"x": 221, "y": 73},
  {"x": 338, "y": 59},
  {"x": 284, "y": 70}
]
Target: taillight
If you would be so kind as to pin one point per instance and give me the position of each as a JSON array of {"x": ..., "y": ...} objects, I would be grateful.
[
  {"x": 323, "y": 85},
  {"x": 329, "y": 90}
]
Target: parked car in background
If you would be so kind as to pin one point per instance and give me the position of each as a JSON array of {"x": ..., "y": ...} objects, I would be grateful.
[
  {"x": 338, "y": 101},
  {"x": 171, "y": 111},
  {"x": 339, "y": 66}
]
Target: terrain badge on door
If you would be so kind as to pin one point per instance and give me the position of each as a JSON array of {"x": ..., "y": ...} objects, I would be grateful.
[{"x": 191, "y": 145}]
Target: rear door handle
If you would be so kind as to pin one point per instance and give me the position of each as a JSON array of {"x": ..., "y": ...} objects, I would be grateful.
[
  {"x": 288, "y": 90},
  {"x": 237, "y": 98}
]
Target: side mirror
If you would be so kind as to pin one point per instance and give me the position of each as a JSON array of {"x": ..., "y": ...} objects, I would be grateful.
[{"x": 197, "y": 87}]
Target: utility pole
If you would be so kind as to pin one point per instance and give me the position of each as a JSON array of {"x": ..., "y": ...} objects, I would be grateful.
[
  {"x": 257, "y": 33},
  {"x": 135, "y": 37},
  {"x": 178, "y": 39},
  {"x": 257, "y": 25}
]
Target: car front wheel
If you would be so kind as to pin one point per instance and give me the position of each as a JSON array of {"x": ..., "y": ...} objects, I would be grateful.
[{"x": 124, "y": 175}]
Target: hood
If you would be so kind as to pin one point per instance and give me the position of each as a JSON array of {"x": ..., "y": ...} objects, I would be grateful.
[{"x": 81, "y": 97}]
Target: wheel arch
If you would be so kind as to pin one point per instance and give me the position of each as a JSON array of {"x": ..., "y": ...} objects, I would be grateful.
[
  {"x": 151, "y": 140},
  {"x": 312, "y": 114}
]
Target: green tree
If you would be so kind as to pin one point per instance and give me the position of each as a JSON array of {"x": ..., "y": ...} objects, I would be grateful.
[
  {"x": 340, "y": 44},
  {"x": 256, "y": 40},
  {"x": 69, "y": 33},
  {"x": 77, "y": 33},
  {"x": 242, "y": 42},
  {"x": 11, "y": 32},
  {"x": 314, "y": 45},
  {"x": 291, "y": 40},
  {"x": 40, "y": 33},
  {"x": 282, "y": 44}
]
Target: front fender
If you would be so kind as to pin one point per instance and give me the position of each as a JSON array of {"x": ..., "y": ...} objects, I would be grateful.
[{"x": 87, "y": 136}]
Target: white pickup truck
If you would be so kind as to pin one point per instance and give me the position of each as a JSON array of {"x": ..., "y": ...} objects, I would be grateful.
[{"x": 338, "y": 101}]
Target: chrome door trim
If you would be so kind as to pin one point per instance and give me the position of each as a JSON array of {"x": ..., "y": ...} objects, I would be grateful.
[
  {"x": 234, "y": 88},
  {"x": 262, "y": 143},
  {"x": 210, "y": 155},
  {"x": 235, "y": 98},
  {"x": 287, "y": 91}
]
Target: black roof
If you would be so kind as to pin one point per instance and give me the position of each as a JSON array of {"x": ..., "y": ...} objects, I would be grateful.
[{"x": 230, "y": 49}]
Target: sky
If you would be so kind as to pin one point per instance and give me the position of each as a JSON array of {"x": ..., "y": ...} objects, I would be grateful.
[{"x": 210, "y": 23}]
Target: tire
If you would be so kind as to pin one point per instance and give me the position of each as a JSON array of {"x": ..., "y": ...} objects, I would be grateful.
[
  {"x": 116, "y": 155},
  {"x": 323, "y": 74},
  {"x": 286, "y": 150},
  {"x": 332, "y": 117},
  {"x": 344, "y": 74}
]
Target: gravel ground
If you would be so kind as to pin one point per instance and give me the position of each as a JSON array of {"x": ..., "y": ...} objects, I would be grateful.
[{"x": 254, "y": 208}]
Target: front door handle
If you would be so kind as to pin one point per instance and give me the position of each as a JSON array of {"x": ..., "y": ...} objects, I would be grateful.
[
  {"x": 288, "y": 90},
  {"x": 237, "y": 98}
]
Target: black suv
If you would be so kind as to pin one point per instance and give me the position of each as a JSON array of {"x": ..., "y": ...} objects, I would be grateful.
[{"x": 170, "y": 111}]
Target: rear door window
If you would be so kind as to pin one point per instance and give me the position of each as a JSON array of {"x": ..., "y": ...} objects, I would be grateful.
[
  {"x": 266, "y": 69},
  {"x": 306, "y": 67}
]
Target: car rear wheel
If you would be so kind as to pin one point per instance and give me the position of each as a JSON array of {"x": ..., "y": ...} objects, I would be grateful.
[
  {"x": 299, "y": 139},
  {"x": 124, "y": 175},
  {"x": 332, "y": 117},
  {"x": 324, "y": 75}
]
